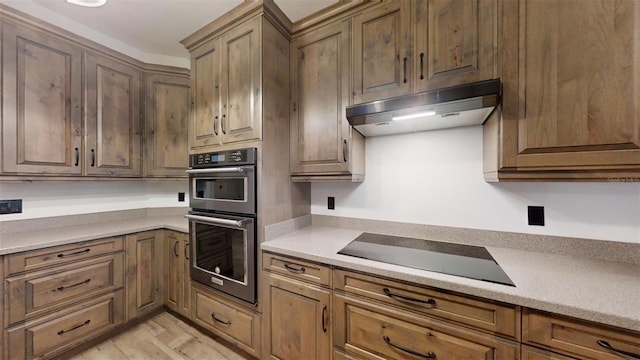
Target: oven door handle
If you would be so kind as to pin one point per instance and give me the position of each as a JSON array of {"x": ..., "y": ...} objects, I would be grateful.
[
  {"x": 217, "y": 221},
  {"x": 217, "y": 170}
]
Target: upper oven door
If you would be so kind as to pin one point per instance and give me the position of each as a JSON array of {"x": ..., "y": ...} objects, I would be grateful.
[{"x": 227, "y": 189}]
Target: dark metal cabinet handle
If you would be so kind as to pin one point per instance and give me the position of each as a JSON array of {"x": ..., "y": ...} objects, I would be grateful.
[
  {"x": 77, "y": 156},
  {"x": 429, "y": 355},
  {"x": 85, "y": 251},
  {"x": 292, "y": 269},
  {"x": 345, "y": 150},
  {"x": 186, "y": 250},
  {"x": 63, "y": 288},
  {"x": 222, "y": 122},
  {"x": 421, "y": 66},
  {"x": 74, "y": 328},
  {"x": 392, "y": 295},
  {"x": 175, "y": 248},
  {"x": 215, "y": 122},
  {"x": 213, "y": 316},
  {"x": 324, "y": 315},
  {"x": 606, "y": 345},
  {"x": 93, "y": 158},
  {"x": 404, "y": 67}
]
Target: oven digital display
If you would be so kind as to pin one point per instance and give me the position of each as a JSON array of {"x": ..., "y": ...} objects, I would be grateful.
[{"x": 215, "y": 158}]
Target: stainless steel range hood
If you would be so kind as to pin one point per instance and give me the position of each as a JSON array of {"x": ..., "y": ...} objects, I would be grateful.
[{"x": 457, "y": 106}]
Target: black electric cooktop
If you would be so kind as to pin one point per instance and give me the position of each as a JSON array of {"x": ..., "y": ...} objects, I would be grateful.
[{"x": 468, "y": 261}]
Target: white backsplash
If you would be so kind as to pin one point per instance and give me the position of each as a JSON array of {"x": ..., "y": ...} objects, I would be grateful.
[
  {"x": 435, "y": 178},
  {"x": 43, "y": 199}
]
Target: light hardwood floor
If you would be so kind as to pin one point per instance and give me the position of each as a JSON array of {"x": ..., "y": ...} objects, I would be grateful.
[{"x": 162, "y": 337}]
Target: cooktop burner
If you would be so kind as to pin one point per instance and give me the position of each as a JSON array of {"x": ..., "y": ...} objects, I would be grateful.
[{"x": 468, "y": 261}]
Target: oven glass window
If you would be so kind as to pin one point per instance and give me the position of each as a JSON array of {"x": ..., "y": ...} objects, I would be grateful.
[
  {"x": 221, "y": 250},
  {"x": 221, "y": 188}
]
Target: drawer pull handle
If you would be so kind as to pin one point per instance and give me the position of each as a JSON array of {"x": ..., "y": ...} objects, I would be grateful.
[
  {"x": 429, "y": 355},
  {"x": 85, "y": 251},
  {"x": 62, "y": 288},
  {"x": 292, "y": 269},
  {"x": 213, "y": 316},
  {"x": 175, "y": 249},
  {"x": 606, "y": 345},
  {"x": 404, "y": 66},
  {"x": 186, "y": 251},
  {"x": 324, "y": 314},
  {"x": 74, "y": 328},
  {"x": 392, "y": 295}
]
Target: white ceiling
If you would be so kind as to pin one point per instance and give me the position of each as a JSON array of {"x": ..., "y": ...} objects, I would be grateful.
[{"x": 150, "y": 26}]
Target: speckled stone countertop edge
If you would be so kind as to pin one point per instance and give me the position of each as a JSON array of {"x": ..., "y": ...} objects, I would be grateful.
[{"x": 542, "y": 290}]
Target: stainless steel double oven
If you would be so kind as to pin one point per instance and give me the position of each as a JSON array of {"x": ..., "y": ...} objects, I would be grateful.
[{"x": 223, "y": 220}]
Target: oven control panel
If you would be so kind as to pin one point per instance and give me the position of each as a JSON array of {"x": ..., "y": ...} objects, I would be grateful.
[{"x": 223, "y": 158}]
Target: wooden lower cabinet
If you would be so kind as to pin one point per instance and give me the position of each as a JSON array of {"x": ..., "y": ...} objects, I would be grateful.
[
  {"x": 60, "y": 331},
  {"x": 578, "y": 338},
  {"x": 145, "y": 280},
  {"x": 532, "y": 353},
  {"x": 227, "y": 319},
  {"x": 297, "y": 319},
  {"x": 177, "y": 293},
  {"x": 374, "y": 331}
]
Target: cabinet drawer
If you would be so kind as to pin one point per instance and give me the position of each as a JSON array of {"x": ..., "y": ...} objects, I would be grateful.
[
  {"x": 231, "y": 323},
  {"x": 531, "y": 353},
  {"x": 373, "y": 332},
  {"x": 577, "y": 338},
  {"x": 38, "y": 259},
  {"x": 299, "y": 269},
  {"x": 45, "y": 337},
  {"x": 36, "y": 293},
  {"x": 499, "y": 318}
]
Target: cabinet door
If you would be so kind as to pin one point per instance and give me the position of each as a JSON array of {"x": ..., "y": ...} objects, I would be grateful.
[
  {"x": 456, "y": 42},
  {"x": 145, "y": 264},
  {"x": 41, "y": 103},
  {"x": 113, "y": 143},
  {"x": 166, "y": 116},
  {"x": 571, "y": 88},
  {"x": 173, "y": 271},
  {"x": 241, "y": 103},
  {"x": 204, "y": 129},
  {"x": 319, "y": 94},
  {"x": 298, "y": 319},
  {"x": 382, "y": 59}
]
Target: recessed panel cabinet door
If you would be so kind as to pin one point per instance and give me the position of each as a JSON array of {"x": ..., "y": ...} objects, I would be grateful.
[
  {"x": 382, "y": 59},
  {"x": 319, "y": 92},
  {"x": 113, "y": 144},
  {"x": 456, "y": 42},
  {"x": 166, "y": 117},
  {"x": 41, "y": 103},
  {"x": 572, "y": 87},
  {"x": 205, "y": 126},
  {"x": 241, "y": 104}
]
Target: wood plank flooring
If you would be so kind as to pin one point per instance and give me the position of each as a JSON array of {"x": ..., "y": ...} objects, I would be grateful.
[{"x": 162, "y": 337}]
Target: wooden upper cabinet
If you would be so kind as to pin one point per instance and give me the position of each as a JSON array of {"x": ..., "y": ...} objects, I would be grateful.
[
  {"x": 455, "y": 42},
  {"x": 226, "y": 87},
  {"x": 113, "y": 126},
  {"x": 571, "y": 103},
  {"x": 166, "y": 116},
  {"x": 41, "y": 103},
  {"x": 240, "y": 81},
  {"x": 320, "y": 134},
  {"x": 382, "y": 52}
]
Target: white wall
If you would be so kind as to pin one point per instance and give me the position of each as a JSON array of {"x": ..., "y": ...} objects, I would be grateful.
[
  {"x": 44, "y": 199},
  {"x": 436, "y": 178}
]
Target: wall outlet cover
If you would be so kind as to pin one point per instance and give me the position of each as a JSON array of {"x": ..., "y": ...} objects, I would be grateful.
[
  {"x": 536, "y": 215},
  {"x": 331, "y": 203},
  {"x": 180, "y": 196}
]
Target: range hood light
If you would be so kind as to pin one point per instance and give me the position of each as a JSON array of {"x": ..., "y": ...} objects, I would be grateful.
[{"x": 414, "y": 116}]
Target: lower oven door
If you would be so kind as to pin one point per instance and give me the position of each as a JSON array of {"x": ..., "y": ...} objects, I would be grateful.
[{"x": 223, "y": 253}]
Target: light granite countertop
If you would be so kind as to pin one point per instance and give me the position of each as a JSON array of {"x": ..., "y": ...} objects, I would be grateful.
[
  {"x": 597, "y": 290},
  {"x": 38, "y": 239}
]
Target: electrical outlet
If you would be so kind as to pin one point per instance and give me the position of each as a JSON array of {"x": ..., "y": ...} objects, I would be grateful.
[
  {"x": 181, "y": 197},
  {"x": 331, "y": 203},
  {"x": 11, "y": 206},
  {"x": 536, "y": 215}
]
